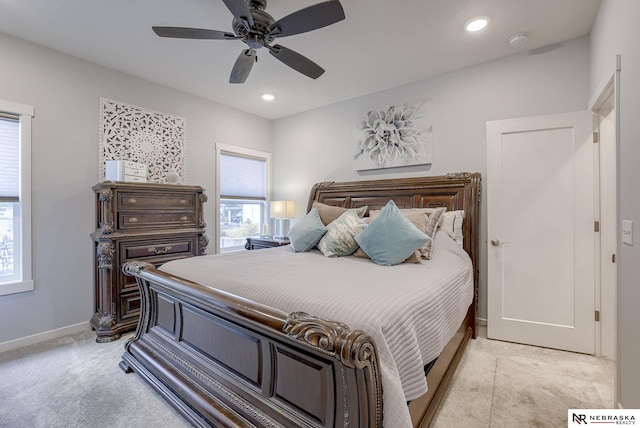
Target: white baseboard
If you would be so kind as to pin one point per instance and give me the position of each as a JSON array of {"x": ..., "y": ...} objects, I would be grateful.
[
  {"x": 41, "y": 337},
  {"x": 481, "y": 321}
]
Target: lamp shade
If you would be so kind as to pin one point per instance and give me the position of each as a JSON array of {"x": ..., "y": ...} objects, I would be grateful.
[{"x": 283, "y": 209}]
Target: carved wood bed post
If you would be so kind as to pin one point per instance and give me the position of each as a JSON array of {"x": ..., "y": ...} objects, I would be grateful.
[{"x": 354, "y": 349}]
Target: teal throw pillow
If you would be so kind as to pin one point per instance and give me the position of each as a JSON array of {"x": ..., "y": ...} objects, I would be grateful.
[
  {"x": 305, "y": 234},
  {"x": 390, "y": 237}
]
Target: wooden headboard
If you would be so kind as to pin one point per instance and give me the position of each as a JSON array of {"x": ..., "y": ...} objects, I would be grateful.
[{"x": 455, "y": 191}]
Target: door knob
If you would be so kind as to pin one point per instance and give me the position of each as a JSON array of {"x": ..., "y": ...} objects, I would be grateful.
[{"x": 498, "y": 243}]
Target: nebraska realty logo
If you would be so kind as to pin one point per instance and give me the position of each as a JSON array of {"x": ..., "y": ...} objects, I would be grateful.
[{"x": 581, "y": 417}]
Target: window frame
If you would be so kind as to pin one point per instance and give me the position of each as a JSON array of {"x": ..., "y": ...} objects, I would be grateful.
[
  {"x": 25, "y": 281},
  {"x": 242, "y": 152}
]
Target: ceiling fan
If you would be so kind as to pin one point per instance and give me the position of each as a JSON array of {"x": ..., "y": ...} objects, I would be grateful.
[{"x": 258, "y": 29}]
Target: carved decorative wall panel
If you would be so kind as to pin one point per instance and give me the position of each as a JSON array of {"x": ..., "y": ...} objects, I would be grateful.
[{"x": 141, "y": 135}]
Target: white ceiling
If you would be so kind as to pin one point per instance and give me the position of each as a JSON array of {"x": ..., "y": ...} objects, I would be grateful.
[{"x": 381, "y": 44}]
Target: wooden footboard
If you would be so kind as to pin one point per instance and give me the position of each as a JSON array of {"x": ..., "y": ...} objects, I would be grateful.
[{"x": 221, "y": 360}]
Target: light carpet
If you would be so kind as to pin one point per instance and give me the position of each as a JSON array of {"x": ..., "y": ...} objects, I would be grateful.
[
  {"x": 501, "y": 384},
  {"x": 73, "y": 381}
]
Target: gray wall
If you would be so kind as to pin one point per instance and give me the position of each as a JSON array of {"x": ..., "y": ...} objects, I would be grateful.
[
  {"x": 65, "y": 92},
  {"x": 319, "y": 145},
  {"x": 616, "y": 31}
]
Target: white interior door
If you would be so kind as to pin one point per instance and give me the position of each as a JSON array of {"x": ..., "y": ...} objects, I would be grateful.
[{"x": 541, "y": 249}]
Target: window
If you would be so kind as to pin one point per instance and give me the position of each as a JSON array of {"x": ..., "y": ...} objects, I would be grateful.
[
  {"x": 243, "y": 177},
  {"x": 15, "y": 198}
]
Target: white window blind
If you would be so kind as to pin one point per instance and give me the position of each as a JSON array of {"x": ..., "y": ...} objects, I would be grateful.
[
  {"x": 242, "y": 177},
  {"x": 9, "y": 158}
]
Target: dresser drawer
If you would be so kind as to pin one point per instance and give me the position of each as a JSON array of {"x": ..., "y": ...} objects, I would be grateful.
[
  {"x": 129, "y": 201},
  {"x": 154, "y": 251},
  {"x": 130, "y": 305},
  {"x": 162, "y": 247},
  {"x": 128, "y": 284},
  {"x": 128, "y": 220}
]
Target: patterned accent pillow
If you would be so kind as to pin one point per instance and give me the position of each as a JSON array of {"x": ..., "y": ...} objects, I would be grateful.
[
  {"x": 329, "y": 213},
  {"x": 339, "y": 239},
  {"x": 426, "y": 220},
  {"x": 305, "y": 234},
  {"x": 391, "y": 237}
]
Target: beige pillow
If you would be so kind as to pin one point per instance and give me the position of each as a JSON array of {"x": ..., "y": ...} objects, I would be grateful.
[
  {"x": 421, "y": 210},
  {"x": 329, "y": 213}
]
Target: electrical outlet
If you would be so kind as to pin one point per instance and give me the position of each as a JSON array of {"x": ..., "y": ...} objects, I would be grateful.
[{"x": 627, "y": 232}]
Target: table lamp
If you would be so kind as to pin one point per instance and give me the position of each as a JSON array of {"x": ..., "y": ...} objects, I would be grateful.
[{"x": 282, "y": 211}]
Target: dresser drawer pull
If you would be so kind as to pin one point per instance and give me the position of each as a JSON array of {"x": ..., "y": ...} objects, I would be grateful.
[
  {"x": 132, "y": 201},
  {"x": 184, "y": 218},
  {"x": 161, "y": 251},
  {"x": 133, "y": 220},
  {"x": 183, "y": 201}
]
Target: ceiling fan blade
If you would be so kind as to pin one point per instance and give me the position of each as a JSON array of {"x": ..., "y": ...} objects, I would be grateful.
[
  {"x": 193, "y": 33},
  {"x": 240, "y": 11},
  {"x": 296, "y": 61},
  {"x": 307, "y": 19},
  {"x": 243, "y": 65}
]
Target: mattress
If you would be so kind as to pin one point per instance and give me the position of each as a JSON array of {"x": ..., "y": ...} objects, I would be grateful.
[{"x": 411, "y": 310}]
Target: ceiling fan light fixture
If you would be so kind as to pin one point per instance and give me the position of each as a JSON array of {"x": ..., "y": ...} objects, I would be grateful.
[
  {"x": 476, "y": 24},
  {"x": 268, "y": 97}
]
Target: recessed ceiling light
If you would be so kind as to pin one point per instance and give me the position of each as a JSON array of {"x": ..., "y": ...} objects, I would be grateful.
[
  {"x": 268, "y": 97},
  {"x": 477, "y": 24}
]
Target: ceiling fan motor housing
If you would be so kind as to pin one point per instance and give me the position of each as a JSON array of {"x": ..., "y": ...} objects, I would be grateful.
[{"x": 257, "y": 35}]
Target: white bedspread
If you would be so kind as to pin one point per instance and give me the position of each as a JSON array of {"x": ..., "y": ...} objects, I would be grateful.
[{"x": 410, "y": 310}]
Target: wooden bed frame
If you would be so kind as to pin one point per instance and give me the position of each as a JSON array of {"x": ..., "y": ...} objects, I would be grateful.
[{"x": 222, "y": 360}]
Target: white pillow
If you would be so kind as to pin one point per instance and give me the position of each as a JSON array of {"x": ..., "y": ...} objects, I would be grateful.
[{"x": 451, "y": 224}]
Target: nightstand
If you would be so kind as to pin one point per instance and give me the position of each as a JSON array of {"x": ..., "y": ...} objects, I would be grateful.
[{"x": 258, "y": 242}]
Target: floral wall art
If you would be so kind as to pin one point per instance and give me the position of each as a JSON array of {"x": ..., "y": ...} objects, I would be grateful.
[
  {"x": 400, "y": 135},
  {"x": 141, "y": 135}
]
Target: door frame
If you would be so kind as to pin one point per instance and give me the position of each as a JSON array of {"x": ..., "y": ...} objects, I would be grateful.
[
  {"x": 610, "y": 87},
  {"x": 606, "y": 216}
]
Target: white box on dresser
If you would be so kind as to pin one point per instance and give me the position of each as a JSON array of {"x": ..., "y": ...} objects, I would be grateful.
[{"x": 124, "y": 170}]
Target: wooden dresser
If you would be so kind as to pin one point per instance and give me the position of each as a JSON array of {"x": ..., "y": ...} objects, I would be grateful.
[{"x": 139, "y": 221}]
